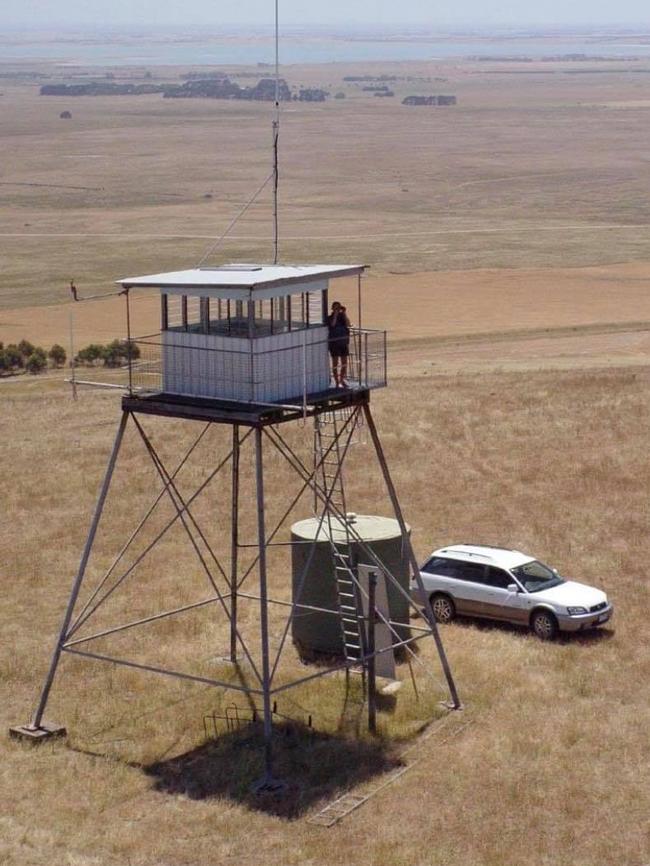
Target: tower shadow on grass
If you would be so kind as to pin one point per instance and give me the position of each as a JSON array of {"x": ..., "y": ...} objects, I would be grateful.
[{"x": 313, "y": 765}]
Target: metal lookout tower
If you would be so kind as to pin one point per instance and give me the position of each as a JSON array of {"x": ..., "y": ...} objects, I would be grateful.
[{"x": 246, "y": 347}]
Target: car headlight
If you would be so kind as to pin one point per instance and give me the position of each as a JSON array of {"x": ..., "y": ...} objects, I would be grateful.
[{"x": 574, "y": 611}]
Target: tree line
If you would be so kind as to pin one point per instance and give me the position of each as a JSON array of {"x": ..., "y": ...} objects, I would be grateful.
[
  {"x": 33, "y": 359},
  {"x": 25, "y": 357}
]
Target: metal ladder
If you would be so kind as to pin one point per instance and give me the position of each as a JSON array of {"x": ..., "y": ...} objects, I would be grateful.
[{"x": 328, "y": 452}]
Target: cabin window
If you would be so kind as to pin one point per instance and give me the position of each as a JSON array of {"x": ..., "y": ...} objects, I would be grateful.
[
  {"x": 192, "y": 314},
  {"x": 205, "y": 315},
  {"x": 314, "y": 308},
  {"x": 174, "y": 313},
  {"x": 229, "y": 317},
  {"x": 272, "y": 316}
]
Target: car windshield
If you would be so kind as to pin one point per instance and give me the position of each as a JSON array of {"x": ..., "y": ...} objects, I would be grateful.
[{"x": 535, "y": 576}]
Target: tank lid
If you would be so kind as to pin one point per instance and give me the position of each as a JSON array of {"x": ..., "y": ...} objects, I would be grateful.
[{"x": 367, "y": 526}]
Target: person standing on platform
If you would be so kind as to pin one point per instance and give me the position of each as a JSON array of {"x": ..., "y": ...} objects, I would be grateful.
[{"x": 338, "y": 326}]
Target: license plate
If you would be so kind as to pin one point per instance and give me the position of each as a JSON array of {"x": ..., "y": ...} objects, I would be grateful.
[{"x": 603, "y": 617}]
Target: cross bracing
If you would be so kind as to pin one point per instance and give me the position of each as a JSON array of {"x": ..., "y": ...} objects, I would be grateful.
[{"x": 261, "y": 639}]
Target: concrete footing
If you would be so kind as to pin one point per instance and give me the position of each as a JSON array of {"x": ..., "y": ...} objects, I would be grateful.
[{"x": 45, "y": 731}]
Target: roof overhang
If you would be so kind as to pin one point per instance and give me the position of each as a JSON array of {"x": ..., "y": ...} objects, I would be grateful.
[{"x": 243, "y": 282}]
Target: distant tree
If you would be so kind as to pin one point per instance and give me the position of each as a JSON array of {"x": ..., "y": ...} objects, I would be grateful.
[
  {"x": 117, "y": 353},
  {"x": 36, "y": 363},
  {"x": 14, "y": 357},
  {"x": 25, "y": 348},
  {"x": 57, "y": 355},
  {"x": 90, "y": 354},
  {"x": 113, "y": 354},
  {"x": 4, "y": 362}
]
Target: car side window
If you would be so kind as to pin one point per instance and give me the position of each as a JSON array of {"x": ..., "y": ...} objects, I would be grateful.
[
  {"x": 474, "y": 572},
  {"x": 438, "y": 565},
  {"x": 433, "y": 565},
  {"x": 498, "y": 578}
]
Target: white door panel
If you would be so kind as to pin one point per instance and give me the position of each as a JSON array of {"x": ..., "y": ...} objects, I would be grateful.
[{"x": 501, "y": 604}]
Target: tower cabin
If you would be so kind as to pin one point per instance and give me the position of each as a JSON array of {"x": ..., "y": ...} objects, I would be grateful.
[{"x": 250, "y": 333}]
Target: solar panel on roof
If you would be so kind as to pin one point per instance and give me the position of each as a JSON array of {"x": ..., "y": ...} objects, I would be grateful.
[{"x": 242, "y": 267}]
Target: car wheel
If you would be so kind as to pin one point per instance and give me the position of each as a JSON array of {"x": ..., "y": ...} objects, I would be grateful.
[
  {"x": 544, "y": 624},
  {"x": 444, "y": 610}
]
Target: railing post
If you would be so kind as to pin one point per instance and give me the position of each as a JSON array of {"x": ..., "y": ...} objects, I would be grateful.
[
  {"x": 365, "y": 358},
  {"x": 128, "y": 342},
  {"x": 304, "y": 373}
]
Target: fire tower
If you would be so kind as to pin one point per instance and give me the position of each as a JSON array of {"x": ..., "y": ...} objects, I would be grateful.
[{"x": 246, "y": 347}]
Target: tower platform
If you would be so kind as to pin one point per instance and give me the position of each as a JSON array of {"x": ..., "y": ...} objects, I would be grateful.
[{"x": 250, "y": 414}]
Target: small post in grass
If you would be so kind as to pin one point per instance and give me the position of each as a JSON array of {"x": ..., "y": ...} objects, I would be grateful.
[{"x": 372, "y": 690}]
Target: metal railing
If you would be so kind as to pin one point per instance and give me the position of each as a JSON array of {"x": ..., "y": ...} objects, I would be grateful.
[{"x": 280, "y": 373}]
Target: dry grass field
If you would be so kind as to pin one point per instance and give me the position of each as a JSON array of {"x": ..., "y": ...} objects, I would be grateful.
[
  {"x": 552, "y": 768},
  {"x": 528, "y": 170},
  {"x": 509, "y": 250}
]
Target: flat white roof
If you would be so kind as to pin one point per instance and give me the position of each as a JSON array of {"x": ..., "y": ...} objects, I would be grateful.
[
  {"x": 242, "y": 276},
  {"x": 482, "y": 553}
]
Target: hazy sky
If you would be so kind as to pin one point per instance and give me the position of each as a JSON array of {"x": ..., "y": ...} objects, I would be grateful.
[{"x": 338, "y": 13}]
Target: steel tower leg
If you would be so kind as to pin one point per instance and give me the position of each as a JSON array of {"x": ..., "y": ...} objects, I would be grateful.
[
  {"x": 267, "y": 782},
  {"x": 392, "y": 493},
  {"x": 36, "y": 729},
  {"x": 234, "y": 545}
]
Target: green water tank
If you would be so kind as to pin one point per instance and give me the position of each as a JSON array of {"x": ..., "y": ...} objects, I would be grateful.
[{"x": 319, "y": 634}]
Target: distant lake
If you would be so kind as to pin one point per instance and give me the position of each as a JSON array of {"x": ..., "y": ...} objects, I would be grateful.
[{"x": 160, "y": 51}]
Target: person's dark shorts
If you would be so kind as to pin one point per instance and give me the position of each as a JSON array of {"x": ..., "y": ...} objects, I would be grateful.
[{"x": 339, "y": 348}]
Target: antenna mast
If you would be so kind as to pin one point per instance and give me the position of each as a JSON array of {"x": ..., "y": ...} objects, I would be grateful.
[{"x": 276, "y": 133}]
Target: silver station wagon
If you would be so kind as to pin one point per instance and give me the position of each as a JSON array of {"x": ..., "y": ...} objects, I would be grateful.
[{"x": 496, "y": 583}]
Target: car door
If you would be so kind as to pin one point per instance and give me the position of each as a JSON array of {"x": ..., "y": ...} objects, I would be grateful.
[
  {"x": 437, "y": 575},
  {"x": 461, "y": 580},
  {"x": 469, "y": 587},
  {"x": 500, "y": 603}
]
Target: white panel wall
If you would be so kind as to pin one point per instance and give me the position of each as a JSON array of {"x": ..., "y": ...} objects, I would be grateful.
[{"x": 268, "y": 369}]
